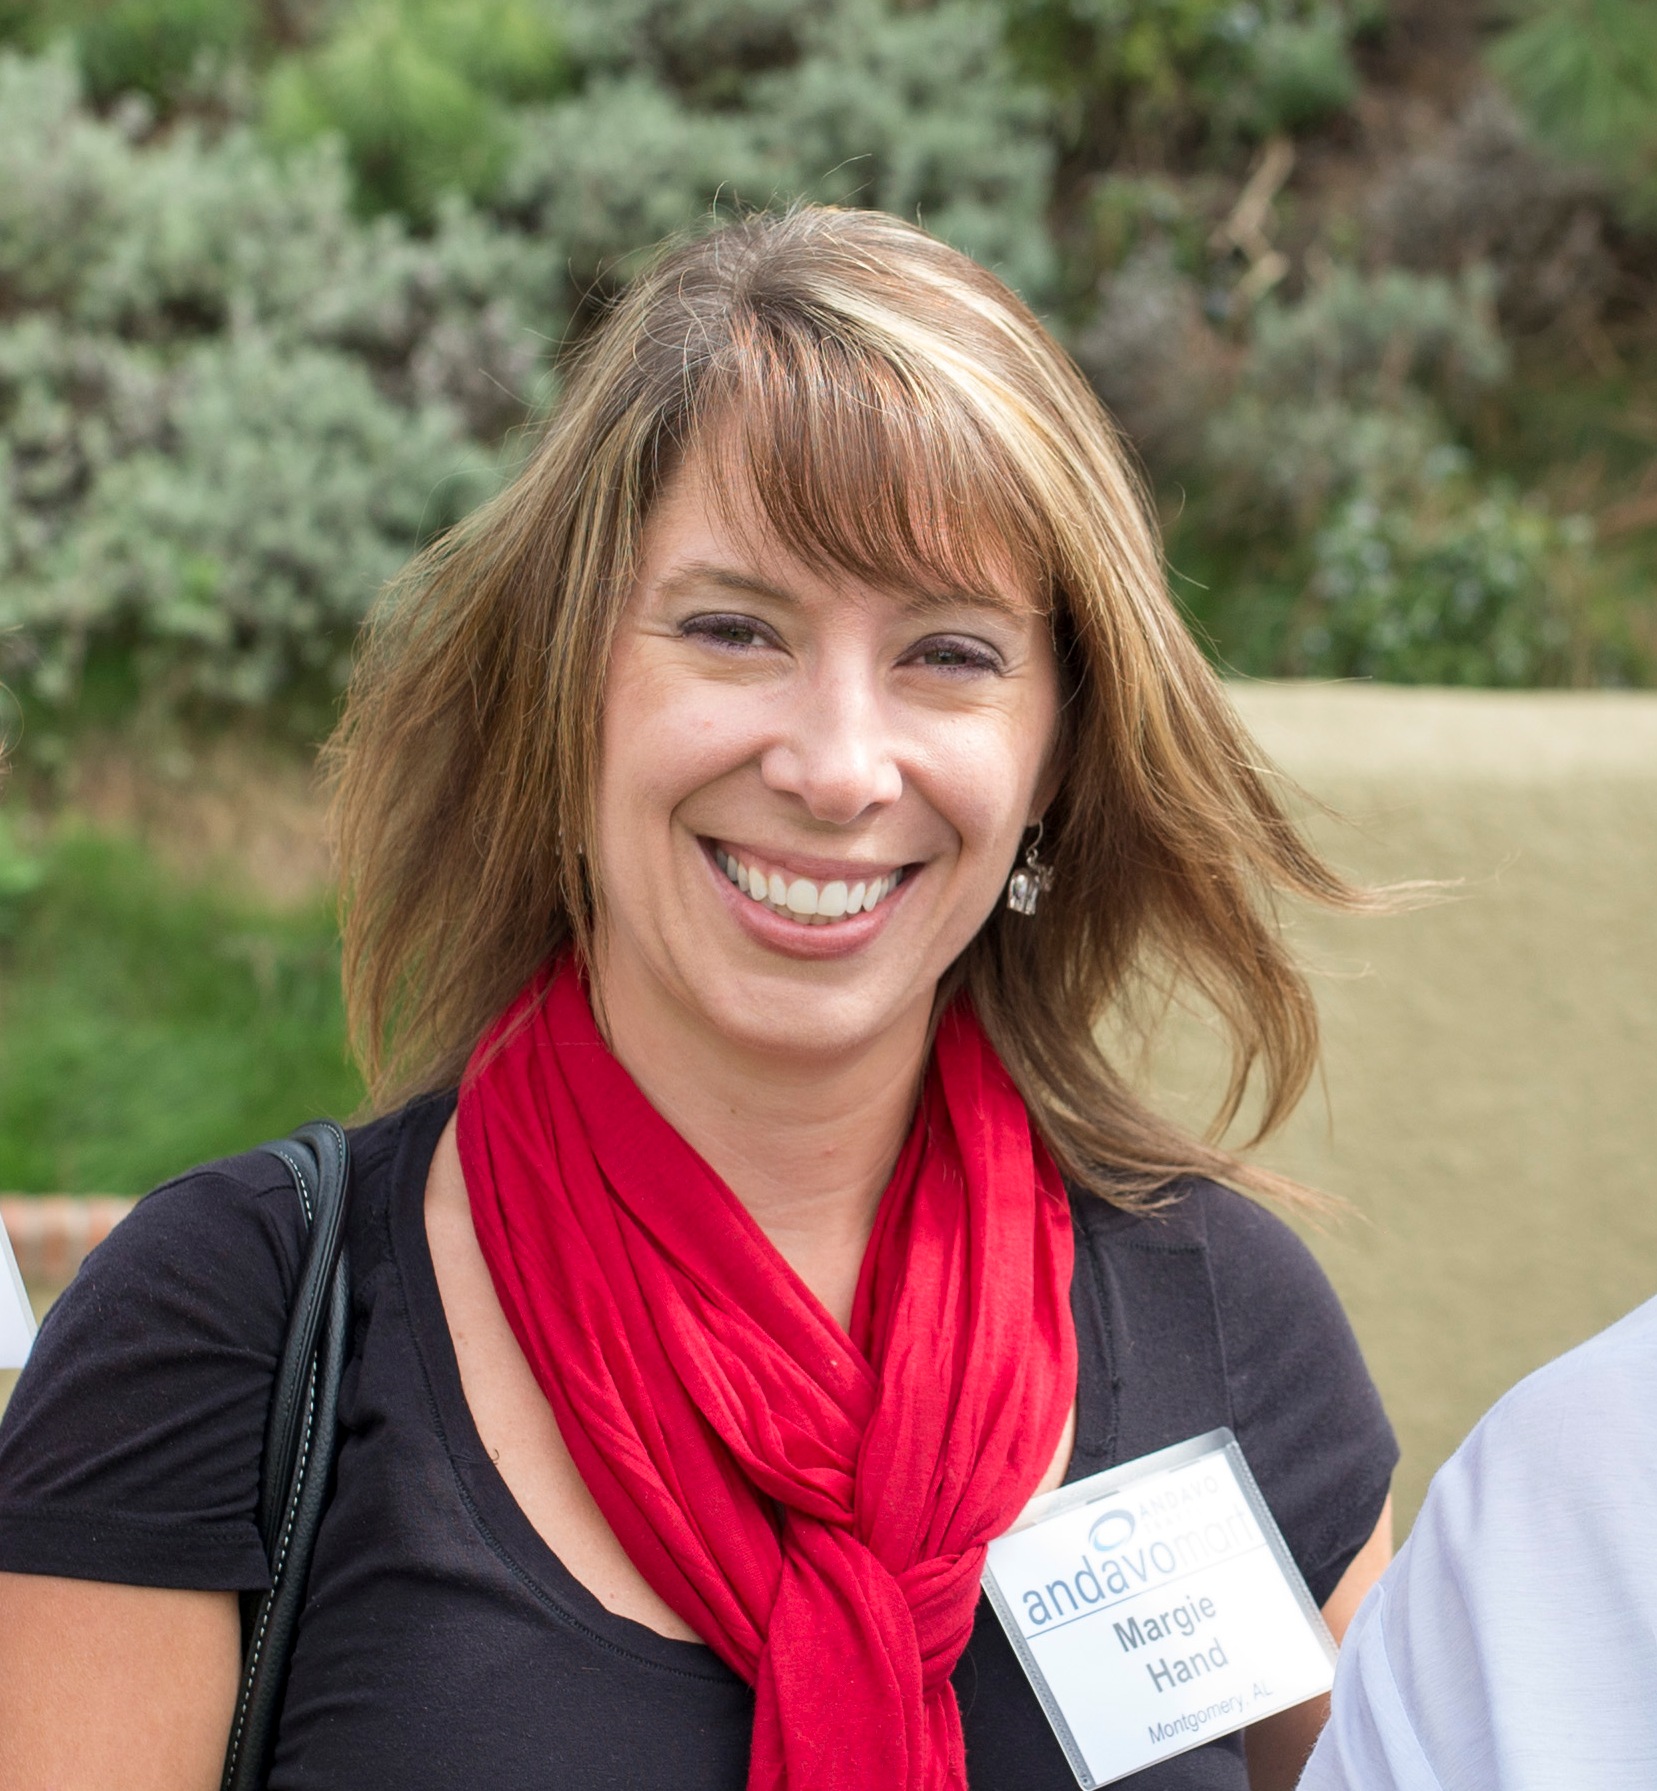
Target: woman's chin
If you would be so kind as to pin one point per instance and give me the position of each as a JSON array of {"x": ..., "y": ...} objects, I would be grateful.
[{"x": 787, "y": 1014}]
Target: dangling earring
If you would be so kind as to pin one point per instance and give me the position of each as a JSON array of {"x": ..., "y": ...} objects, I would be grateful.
[{"x": 1025, "y": 885}]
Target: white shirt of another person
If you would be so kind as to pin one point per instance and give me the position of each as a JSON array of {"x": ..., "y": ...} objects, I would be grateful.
[{"x": 1512, "y": 1646}]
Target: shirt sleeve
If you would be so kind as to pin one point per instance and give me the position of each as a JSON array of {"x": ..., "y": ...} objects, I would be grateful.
[
  {"x": 130, "y": 1450},
  {"x": 1369, "y": 1742},
  {"x": 1513, "y": 1643},
  {"x": 1303, "y": 1405}
]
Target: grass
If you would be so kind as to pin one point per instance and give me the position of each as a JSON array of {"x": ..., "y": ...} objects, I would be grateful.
[{"x": 147, "y": 1024}]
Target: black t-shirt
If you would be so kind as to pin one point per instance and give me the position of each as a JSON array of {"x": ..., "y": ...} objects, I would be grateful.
[{"x": 443, "y": 1643}]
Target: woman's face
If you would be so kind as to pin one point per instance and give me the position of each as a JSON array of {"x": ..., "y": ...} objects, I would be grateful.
[{"x": 811, "y": 789}]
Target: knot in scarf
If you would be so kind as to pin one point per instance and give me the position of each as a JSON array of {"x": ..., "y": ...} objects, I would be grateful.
[{"x": 814, "y": 1503}]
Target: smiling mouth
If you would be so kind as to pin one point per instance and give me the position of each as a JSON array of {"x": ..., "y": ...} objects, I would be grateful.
[{"x": 801, "y": 899}]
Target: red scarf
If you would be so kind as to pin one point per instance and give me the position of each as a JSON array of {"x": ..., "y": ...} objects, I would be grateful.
[{"x": 815, "y": 1506}]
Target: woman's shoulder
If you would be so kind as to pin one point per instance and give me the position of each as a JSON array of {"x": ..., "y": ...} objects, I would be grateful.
[
  {"x": 1248, "y": 1248},
  {"x": 238, "y": 1220},
  {"x": 131, "y": 1446},
  {"x": 1218, "y": 1291},
  {"x": 234, "y": 1223},
  {"x": 1277, "y": 1314}
]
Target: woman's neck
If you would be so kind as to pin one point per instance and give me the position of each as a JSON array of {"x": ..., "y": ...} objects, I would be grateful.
[{"x": 806, "y": 1144}]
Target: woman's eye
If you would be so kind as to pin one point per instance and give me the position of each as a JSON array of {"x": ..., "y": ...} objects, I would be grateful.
[
  {"x": 953, "y": 655},
  {"x": 726, "y": 631}
]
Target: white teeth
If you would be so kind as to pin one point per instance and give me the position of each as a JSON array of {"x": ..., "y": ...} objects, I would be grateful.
[{"x": 801, "y": 899}]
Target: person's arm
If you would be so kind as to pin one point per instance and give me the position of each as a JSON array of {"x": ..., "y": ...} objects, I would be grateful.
[
  {"x": 106, "y": 1685},
  {"x": 129, "y": 1484},
  {"x": 1279, "y": 1747}
]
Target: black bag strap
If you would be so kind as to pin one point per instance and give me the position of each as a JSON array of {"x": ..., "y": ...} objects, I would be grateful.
[{"x": 301, "y": 1436}]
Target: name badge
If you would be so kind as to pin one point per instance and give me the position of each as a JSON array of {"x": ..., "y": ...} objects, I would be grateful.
[
  {"x": 17, "y": 1320},
  {"x": 1155, "y": 1607}
]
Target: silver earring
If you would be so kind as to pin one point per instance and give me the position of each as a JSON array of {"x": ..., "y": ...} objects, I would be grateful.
[{"x": 1025, "y": 885}]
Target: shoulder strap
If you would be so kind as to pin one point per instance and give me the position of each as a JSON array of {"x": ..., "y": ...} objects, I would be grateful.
[{"x": 301, "y": 1436}]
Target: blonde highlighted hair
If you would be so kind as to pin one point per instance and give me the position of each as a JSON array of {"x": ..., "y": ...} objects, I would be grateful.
[{"x": 899, "y": 413}]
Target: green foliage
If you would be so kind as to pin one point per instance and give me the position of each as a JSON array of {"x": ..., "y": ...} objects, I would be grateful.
[
  {"x": 158, "y": 47},
  {"x": 1586, "y": 73},
  {"x": 1301, "y": 71},
  {"x": 1341, "y": 434},
  {"x": 1151, "y": 71},
  {"x": 1327, "y": 480},
  {"x": 264, "y": 327},
  {"x": 166, "y": 50},
  {"x": 227, "y": 409},
  {"x": 918, "y": 112},
  {"x": 240, "y": 551},
  {"x": 419, "y": 91},
  {"x": 1350, "y": 390},
  {"x": 145, "y": 1026},
  {"x": 1486, "y": 194},
  {"x": 1449, "y": 584},
  {"x": 624, "y": 163},
  {"x": 915, "y": 112}
]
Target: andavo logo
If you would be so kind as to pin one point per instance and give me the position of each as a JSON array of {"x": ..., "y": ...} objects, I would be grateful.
[{"x": 1112, "y": 1530}]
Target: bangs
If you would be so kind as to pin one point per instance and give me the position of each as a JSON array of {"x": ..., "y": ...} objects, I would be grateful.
[{"x": 869, "y": 462}]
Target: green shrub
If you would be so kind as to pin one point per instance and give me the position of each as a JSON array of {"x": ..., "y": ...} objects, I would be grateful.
[
  {"x": 227, "y": 408},
  {"x": 515, "y": 50},
  {"x": 160, "y": 48},
  {"x": 240, "y": 551},
  {"x": 915, "y": 112},
  {"x": 418, "y": 92},
  {"x": 704, "y": 50},
  {"x": 1368, "y": 339},
  {"x": 623, "y": 164},
  {"x": 1347, "y": 391},
  {"x": 1301, "y": 72},
  {"x": 157, "y": 46},
  {"x": 412, "y": 124},
  {"x": 1487, "y": 194},
  {"x": 1448, "y": 584},
  {"x": 1328, "y": 502},
  {"x": 919, "y": 113},
  {"x": 19, "y": 22},
  {"x": 1586, "y": 73},
  {"x": 1159, "y": 72}
]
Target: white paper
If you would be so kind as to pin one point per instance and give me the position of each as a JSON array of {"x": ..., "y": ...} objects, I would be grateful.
[
  {"x": 1155, "y": 1607},
  {"x": 17, "y": 1319}
]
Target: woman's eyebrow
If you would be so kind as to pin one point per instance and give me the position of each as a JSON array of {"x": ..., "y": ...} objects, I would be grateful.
[
  {"x": 919, "y": 600},
  {"x": 929, "y": 602},
  {"x": 697, "y": 573}
]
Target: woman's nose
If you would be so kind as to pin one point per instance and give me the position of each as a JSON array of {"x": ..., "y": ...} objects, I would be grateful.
[{"x": 836, "y": 751}]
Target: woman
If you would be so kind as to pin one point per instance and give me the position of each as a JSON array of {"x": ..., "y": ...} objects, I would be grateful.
[{"x": 790, "y": 1232}]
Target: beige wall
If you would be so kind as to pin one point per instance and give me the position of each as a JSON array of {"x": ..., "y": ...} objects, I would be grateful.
[{"x": 1491, "y": 1104}]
